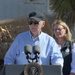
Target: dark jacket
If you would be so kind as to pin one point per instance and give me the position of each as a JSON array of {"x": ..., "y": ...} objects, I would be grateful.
[{"x": 67, "y": 55}]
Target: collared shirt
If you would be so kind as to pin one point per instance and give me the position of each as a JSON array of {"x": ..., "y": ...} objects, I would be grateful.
[{"x": 48, "y": 48}]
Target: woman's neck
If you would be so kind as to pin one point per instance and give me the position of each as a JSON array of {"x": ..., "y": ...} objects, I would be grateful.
[{"x": 61, "y": 42}]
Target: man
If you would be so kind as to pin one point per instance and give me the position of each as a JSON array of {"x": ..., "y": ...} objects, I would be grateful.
[{"x": 35, "y": 36}]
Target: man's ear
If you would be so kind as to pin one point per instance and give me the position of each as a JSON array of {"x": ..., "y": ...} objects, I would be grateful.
[{"x": 43, "y": 23}]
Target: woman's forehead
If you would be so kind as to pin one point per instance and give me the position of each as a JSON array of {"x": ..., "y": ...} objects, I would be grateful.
[{"x": 58, "y": 25}]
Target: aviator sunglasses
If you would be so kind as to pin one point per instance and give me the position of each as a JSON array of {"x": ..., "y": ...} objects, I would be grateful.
[{"x": 30, "y": 22}]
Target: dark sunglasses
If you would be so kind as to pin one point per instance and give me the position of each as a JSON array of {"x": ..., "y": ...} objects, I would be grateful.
[{"x": 30, "y": 22}]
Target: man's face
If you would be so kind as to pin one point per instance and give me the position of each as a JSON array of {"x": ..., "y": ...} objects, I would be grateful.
[{"x": 35, "y": 26}]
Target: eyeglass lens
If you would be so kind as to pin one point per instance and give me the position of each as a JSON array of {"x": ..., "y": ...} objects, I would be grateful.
[
  {"x": 33, "y": 22},
  {"x": 59, "y": 29}
]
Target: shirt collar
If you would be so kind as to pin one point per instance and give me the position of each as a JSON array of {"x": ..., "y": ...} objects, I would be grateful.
[{"x": 39, "y": 36}]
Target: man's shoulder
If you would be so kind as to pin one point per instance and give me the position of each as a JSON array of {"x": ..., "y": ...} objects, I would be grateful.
[
  {"x": 23, "y": 34},
  {"x": 43, "y": 33},
  {"x": 47, "y": 36}
]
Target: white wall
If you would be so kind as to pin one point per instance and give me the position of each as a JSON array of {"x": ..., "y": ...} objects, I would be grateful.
[{"x": 21, "y": 8}]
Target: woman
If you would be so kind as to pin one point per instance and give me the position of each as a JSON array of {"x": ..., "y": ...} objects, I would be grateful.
[{"x": 63, "y": 37}]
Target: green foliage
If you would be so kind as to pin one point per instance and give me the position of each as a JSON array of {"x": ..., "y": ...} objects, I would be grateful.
[{"x": 64, "y": 9}]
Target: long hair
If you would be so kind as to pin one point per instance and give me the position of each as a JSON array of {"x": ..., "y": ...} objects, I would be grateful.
[{"x": 68, "y": 36}]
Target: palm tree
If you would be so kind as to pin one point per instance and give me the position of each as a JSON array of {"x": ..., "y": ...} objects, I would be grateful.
[{"x": 64, "y": 9}]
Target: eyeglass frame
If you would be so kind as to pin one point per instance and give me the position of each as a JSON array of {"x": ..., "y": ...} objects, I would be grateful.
[{"x": 59, "y": 29}]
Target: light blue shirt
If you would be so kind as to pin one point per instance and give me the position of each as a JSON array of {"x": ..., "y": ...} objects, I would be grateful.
[
  {"x": 48, "y": 46},
  {"x": 73, "y": 59}
]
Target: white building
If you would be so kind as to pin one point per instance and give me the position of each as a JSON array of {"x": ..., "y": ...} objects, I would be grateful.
[{"x": 21, "y": 8}]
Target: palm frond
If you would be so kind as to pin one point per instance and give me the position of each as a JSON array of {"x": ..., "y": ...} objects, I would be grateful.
[{"x": 64, "y": 9}]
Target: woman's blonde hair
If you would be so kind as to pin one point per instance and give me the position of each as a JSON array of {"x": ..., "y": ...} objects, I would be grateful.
[{"x": 68, "y": 36}]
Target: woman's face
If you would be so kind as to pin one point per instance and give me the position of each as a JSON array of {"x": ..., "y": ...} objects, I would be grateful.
[{"x": 59, "y": 31}]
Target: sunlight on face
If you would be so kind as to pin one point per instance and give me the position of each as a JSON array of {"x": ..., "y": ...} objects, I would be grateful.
[
  {"x": 36, "y": 29},
  {"x": 59, "y": 31}
]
